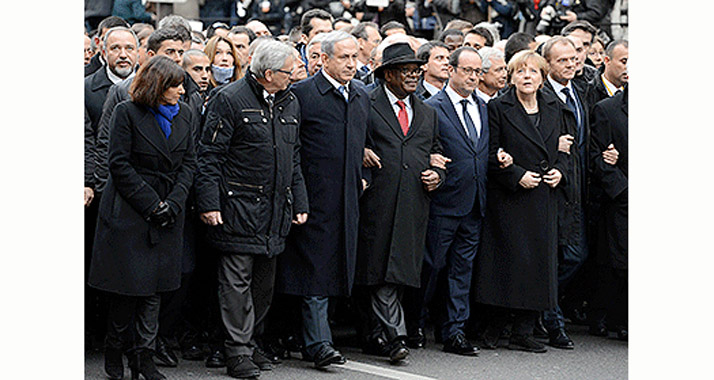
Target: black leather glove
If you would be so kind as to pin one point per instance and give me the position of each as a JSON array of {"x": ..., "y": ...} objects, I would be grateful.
[{"x": 162, "y": 215}]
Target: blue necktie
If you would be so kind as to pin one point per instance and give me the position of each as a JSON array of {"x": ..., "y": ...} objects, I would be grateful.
[
  {"x": 343, "y": 91},
  {"x": 469, "y": 123},
  {"x": 570, "y": 103}
]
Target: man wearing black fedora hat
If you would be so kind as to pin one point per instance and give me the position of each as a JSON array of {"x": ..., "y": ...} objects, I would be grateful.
[{"x": 402, "y": 131}]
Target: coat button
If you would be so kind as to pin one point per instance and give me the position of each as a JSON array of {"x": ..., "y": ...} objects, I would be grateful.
[
  {"x": 230, "y": 193},
  {"x": 245, "y": 120},
  {"x": 282, "y": 120},
  {"x": 405, "y": 166},
  {"x": 265, "y": 120},
  {"x": 257, "y": 199}
]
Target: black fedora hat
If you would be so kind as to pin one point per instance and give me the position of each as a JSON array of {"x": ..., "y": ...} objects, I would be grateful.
[{"x": 399, "y": 53}]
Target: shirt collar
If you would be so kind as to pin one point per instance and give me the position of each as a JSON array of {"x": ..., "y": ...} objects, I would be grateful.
[
  {"x": 559, "y": 87},
  {"x": 484, "y": 96},
  {"x": 454, "y": 96},
  {"x": 393, "y": 98},
  {"x": 115, "y": 78},
  {"x": 334, "y": 82},
  {"x": 611, "y": 88},
  {"x": 430, "y": 87}
]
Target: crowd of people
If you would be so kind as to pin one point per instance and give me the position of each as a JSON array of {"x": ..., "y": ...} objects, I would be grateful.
[{"x": 246, "y": 191}]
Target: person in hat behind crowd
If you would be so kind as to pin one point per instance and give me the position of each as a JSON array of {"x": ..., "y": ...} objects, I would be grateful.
[{"x": 402, "y": 130}]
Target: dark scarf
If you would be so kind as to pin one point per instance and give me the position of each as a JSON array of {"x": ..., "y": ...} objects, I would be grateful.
[{"x": 163, "y": 115}]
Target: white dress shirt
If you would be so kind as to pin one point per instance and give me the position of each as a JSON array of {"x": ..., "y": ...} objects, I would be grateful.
[
  {"x": 484, "y": 96},
  {"x": 337, "y": 84},
  {"x": 395, "y": 107},
  {"x": 611, "y": 88},
  {"x": 559, "y": 91},
  {"x": 471, "y": 107},
  {"x": 433, "y": 90}
]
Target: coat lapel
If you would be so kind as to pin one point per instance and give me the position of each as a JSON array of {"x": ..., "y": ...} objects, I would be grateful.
[
  {"x": 450, "y": 113},
  {"x": 178, "y": 132},
  {"x": 483, "y": 115},
  {"x": 520, "y": 120},
  {"x": 150, "y": 130},
  {"x": 385, "y": 111},
  {"x": 418, "y": 110}
]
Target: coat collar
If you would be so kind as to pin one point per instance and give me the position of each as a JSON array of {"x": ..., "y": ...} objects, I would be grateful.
[
  {"x": 100, "y": 79},
  {"x": 150, "y": 130},
  {"x": 383, "y": 107},
  {"x": 549, "y": 111},
  {"x": 323, "y": 86}
]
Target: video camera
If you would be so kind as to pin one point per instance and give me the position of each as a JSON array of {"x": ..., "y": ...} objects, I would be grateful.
[{"x": 550, "y": 21}]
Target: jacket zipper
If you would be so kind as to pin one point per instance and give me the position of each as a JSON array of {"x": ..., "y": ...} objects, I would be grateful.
[
  {"x": 218, "y": 128},
  {"x": 257, "y": 187}
]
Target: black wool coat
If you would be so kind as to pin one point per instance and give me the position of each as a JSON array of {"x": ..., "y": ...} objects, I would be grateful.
[
  {"x": 96, "y": 87},
  {"x": 249, "y": 168},
  {"x": 516, "y": 265},
  {"x": 319, "y": 257},
  {"x": 131, "y": 256},
  {"x": 395, "y": 207},
  {"x": 610, "y": 126}
]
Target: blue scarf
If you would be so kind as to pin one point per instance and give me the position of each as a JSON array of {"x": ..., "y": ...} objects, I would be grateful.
[{"x": 164, "y": 115}]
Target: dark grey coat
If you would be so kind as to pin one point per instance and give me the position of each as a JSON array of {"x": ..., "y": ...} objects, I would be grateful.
[
  {"x": 132, "y": 257},
  {"x": 395, "y": 208}
]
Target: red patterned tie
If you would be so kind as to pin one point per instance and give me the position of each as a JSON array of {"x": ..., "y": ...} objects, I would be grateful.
[{"x": 403, "y": 118}]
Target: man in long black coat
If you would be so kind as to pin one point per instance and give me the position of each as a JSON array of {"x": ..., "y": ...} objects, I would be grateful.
[
  {"x": 319, "y": 258},
  {"x": 403, "y": 132},
  {"x": 609, "y": 127}
]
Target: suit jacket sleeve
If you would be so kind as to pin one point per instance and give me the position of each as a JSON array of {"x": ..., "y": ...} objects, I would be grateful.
[
  {"x": 566, "y": 163},
  {"x": 129, "y": 184},
  {"x": 613, "y": 180},
  {"x": 506, "y": 177}
]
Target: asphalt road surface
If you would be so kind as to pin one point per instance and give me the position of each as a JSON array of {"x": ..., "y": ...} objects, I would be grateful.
[{"x": 593, "y": 358}]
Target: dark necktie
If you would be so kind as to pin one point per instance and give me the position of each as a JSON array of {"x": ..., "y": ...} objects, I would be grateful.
[
  {"x": 469, "y": 123},
  {"x": 570, "y": 103},
  {"x": 343, "y": 92},
  {"x": 403, "y": 117},
  {"x": 269, "y": 99}
]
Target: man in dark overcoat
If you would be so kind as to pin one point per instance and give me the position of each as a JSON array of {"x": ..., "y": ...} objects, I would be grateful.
[
  {"x": 120, "y": 52},
  {"x": 319, "y": 258},
  {"x": 609, "y": 127},
  {"x": 458, "y": 206},
  {"x": 403, "y": 132},
  {"x": 250, "y": 189}
]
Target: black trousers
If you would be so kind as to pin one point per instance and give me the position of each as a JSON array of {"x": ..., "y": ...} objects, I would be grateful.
[
  {"x": 381, "y": 311},
  {"x": 133, "y": 322},
  {"x": 523, "y": 320},
  {"x": 245, "y": 292},
  {"x": 610, "y": 300}
]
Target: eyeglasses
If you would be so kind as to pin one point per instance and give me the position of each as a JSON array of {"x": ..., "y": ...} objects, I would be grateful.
[
  {"x": 470, "y": 70},
  {"x": 285, "y": 72},
  {"x": 406, "y": 72}
]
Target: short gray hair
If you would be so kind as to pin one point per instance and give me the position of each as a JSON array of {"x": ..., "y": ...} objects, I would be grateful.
[
  {"x": 270, "y": 55},
  {"x": 117, "y": 29},
  {"x": 316, "y": 40},
  {"x": 486, "y": 54},
  {"x": 331, "y": 38}
]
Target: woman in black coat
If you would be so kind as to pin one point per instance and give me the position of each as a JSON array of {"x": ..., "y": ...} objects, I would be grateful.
[
  {"x": 139, "y": 237},
  {"x": 516, "y": 268}
]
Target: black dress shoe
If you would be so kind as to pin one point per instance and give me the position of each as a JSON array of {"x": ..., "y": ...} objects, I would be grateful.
[
  {"x": 242, "y": 367},
  {"x": 216, "y": 360},
  {"x": 327, "y": 355},
  {"x": 398, "y": 351},
  {"x": 261, "y": 359},
  {"x": 376, "y": 346},
  {"x": 142, "y": 364},
  {"x": 164, "y": 356},
  {"x": 558, "y": 338},
  {"x": 525, "y": 343},
  {"x": 113, "y": 363},
  {"x": 417, "y": 339},
  {"x": 458, "y": 344}
]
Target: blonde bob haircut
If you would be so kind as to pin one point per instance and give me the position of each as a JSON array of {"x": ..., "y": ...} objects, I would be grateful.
[{"x": 522, "y": 58}]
